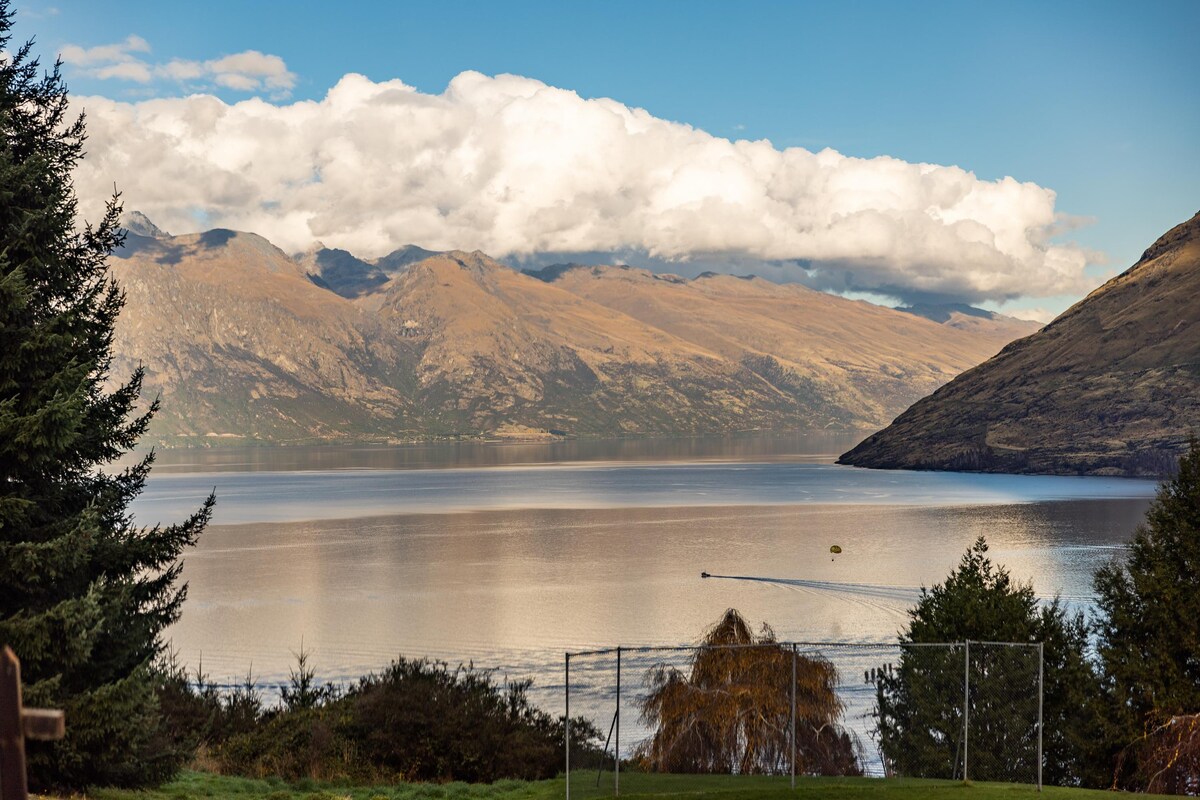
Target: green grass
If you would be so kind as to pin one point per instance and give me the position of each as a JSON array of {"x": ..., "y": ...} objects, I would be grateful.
[{"x": 201, "y": 785}]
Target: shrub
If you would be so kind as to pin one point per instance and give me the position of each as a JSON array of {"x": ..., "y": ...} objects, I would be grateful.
[
  {"x": 417, "y": 720},
  {"x": 422, "y": 721}
]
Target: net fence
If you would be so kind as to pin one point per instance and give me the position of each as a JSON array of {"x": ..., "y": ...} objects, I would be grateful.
[{"x": 650, "y": 718}]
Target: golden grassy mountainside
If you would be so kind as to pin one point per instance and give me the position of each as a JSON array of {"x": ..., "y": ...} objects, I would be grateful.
[
  {"x": 1110, "y": 387},
  {"x": 871, "y": 360},
  {"x": 247, "y": 344}
]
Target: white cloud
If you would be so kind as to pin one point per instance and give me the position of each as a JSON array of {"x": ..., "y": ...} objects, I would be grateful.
[
  {"x": 105, "y": 54},
  {"x": 180, "y": 70},
  {"x": 125, "y": 70},
  {"x": 33, "y": 13},
  {"x": 248, "y": 71},
  {"x": 236, "y": 80},
  {"x": 1039, "y": 314},
  {"x": 253, "y": 69},
  {"x": 512, "y": 166}
]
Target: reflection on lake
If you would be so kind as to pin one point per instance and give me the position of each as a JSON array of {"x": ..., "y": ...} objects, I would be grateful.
[
  {"x": 509, "y": 567},
  {"x": 804, "y": 445}
]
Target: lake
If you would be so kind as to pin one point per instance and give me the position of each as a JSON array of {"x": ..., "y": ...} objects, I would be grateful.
[{"x": 508, "y": 555}]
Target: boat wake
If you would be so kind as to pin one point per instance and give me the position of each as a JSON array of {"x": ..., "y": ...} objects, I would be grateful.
[
  {"x": 875, "y": 594},
  {"x": 892, "y": 600}
]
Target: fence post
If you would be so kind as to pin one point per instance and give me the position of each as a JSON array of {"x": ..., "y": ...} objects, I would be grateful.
[
  {"x": 567, "y": 722},
  {"x": 966, "y": 704},
  {"x": 1041, "y": 691},
  {"x": 793, "y": 736},
  {"x": 617, "y": 741},
  {"x": 12, "y": 738},
  {"x": 18, "y": 724}
]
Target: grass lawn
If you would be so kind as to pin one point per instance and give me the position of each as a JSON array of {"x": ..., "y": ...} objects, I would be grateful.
[{"x": 199, "y": 785}]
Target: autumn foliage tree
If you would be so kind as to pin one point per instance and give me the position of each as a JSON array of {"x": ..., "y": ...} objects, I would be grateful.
[{"x": 730, "y": 710}]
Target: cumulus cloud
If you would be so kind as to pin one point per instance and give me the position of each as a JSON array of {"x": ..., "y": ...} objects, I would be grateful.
[
  {"x": 514, "y": 167},
  {"x": 251, "y": 70},
  {"x": 248, "y": 71}
]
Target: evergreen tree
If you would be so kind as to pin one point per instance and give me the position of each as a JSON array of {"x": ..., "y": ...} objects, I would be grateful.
[
  {"x": 920, "y": 698},
  {"x": 84, "y": 593},
  {"x": 1148, "y": 626}
]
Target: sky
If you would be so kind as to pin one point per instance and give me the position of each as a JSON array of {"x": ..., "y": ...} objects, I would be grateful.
[{"x": 791, "y": 139}]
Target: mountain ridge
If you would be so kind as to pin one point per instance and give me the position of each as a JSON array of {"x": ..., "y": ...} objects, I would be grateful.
[{"x": 248, "y": 344}]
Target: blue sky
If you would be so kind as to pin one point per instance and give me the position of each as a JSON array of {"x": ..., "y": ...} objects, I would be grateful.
[{"x": 1097, "y": 101}]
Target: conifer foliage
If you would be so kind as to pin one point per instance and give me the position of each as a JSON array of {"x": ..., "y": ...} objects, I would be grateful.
[
  {"x": 84, "y": 592},
  {"x": 1149, "y": 620},
  {"x": 920, "y": 725}
]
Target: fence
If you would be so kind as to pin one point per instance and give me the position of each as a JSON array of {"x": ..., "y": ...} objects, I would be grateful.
[{"x": 652, "y": 718}]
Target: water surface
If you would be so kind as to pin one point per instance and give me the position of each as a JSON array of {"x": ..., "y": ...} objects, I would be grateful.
[{"x": 508, "y": 555}]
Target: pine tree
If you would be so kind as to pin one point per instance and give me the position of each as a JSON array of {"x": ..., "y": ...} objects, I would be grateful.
[
  {"x": 1148, "y": 626},
  {"x": 920, "y": 722},
  {"x": 84, "y": 592}
]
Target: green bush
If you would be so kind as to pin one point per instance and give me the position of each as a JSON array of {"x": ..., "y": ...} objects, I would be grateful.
[
  {"x": 417, "y": 720},
  {"x": 423, "y": 721}
]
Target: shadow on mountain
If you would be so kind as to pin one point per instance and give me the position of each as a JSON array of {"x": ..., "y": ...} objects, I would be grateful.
[{"x": 219, "y": 237}]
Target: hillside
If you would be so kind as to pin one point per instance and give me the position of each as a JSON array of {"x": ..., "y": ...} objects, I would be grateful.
[
  {"x": 245, "y": 343},
  {"x": 242, "y": 345},
  {"x": 1111, "y": 387},
  {"x": 867, "y": 360}
]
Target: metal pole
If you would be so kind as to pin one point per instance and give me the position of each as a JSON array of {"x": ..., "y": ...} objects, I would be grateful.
[
  {"x": 604, "y": 752},
  {"x": 567, "y": 723},
  {"x": 793, "y": 759},
  {"x": 966, "y": 705},
  {"x": 1041, "y": 691},
  {"x": 617, "y": 741}
]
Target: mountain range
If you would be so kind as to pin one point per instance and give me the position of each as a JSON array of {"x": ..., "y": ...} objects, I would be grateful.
[
  {"x": 1110, "y": 387},
  {"x": 246, "y": 343}
]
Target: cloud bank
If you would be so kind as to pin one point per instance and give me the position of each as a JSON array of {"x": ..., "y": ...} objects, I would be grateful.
[{"x": 514, "y": 167}]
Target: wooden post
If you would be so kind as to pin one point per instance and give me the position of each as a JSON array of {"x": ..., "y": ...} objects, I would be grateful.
[
  {"x": 18, "y": 724},
  {"x": 12, "y": 736}
]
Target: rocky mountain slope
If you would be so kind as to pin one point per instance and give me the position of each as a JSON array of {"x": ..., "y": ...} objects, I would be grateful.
[
  {"x": 1110, "y": 387},
  {"x": 245, "y": 343},
  {"x": 343, "y": 273}
]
